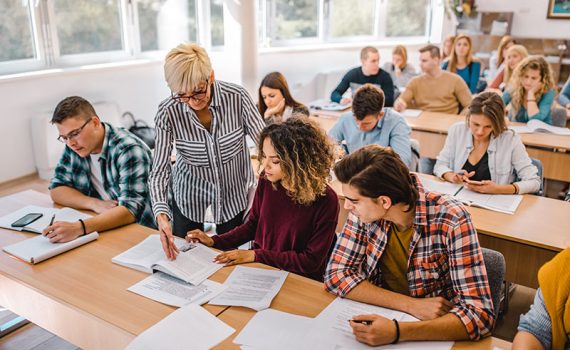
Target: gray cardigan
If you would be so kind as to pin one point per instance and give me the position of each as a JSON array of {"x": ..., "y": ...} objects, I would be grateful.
[{"x": 507, "y": 157}]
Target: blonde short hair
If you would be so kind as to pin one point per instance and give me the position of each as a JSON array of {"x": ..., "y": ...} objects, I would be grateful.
[{"x": 186, "y": 66}]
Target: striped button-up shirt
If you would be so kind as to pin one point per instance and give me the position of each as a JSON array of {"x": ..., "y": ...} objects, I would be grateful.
[
  {"x": 445, "y": 259},
  {"x": 212, "y": 168},
  {"x": 125, "y": 163}
]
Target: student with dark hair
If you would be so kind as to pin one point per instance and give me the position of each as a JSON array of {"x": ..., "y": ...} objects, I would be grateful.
[
  {"x": 368, "y": 72},
  {"x": 435, "y": 90},
  {"x": 275, "y": 101},
  {"x": 371, "y": 123},
  {"x": 484, "y": 155},
  {"x": 103, "y": 169},
  {"x": 294, "y": 213},
  {"x": 410, "y": 250}
]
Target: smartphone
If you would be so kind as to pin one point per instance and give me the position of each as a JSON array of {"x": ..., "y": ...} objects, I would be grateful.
[
  {"x": 472, "y": 182},
  {"x": 27, "y": 219}
]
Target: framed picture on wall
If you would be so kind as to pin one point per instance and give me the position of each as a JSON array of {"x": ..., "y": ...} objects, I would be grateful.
[{"x": 559, "y": 9}]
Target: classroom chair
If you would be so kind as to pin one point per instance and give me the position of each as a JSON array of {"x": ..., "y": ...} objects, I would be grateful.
[
  {"x": 496, "y": 267},
  {"x": 426, "y": 165},
  {"x": 538, "y": 164},
  {"x": 559, "y": 117},
  {"x": 415, "y": 166}
]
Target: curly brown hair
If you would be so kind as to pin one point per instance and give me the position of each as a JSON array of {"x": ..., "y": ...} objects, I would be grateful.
[{"x": 306, "y": 156}]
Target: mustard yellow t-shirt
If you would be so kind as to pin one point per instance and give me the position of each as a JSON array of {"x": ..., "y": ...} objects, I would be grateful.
[{"x": 394, "y": 261}]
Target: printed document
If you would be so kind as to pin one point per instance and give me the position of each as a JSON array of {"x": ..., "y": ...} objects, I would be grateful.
[
  {"x": 190, "y": 327},
  {"x": 172, "y": 291},
  {"x": 251, "y": 287}
]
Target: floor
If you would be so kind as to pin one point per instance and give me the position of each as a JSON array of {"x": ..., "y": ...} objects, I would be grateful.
[{"x": 33, "y": 337}]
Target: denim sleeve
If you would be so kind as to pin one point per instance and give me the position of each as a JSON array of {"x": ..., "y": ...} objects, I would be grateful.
[{"x": 537, "y": 321}]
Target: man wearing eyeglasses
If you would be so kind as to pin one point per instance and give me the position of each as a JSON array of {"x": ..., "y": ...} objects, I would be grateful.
[
  {"x": 103, "y": 169},
  {"x": 207, "y": 121}
]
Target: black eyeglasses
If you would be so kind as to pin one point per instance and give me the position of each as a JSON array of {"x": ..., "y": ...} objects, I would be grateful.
[
  {"x": 196, "y": 97},
  {"x": 74, "y": 133}
]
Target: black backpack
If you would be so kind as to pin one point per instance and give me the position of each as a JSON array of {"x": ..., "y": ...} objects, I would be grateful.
[{"x": 141, "y": 129}]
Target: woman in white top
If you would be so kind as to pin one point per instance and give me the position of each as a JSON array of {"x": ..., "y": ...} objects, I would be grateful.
[
  {"x": 484, "y": 155},
  {"x": 275, "y": 101}
]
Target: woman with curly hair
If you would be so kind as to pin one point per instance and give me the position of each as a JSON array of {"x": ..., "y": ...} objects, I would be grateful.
[
  {"x": 531, "y": 92},
  {"x": 294, "y": 213},
  {"x": 275, "y": 101}
]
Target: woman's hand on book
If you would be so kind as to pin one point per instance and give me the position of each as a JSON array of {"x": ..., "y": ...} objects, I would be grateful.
[
  {"x": 198, "y": 236},
  {"x": 235, "y": 257},
  {"x": 166, "y": 237}
]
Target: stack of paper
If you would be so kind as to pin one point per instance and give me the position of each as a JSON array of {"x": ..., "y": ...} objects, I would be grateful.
[
  {"x": 190, "y": 327},
  {"x": 251, "y": 287}
]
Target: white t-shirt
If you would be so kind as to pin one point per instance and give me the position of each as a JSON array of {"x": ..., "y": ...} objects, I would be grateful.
[{"x": 97, "y": 177}]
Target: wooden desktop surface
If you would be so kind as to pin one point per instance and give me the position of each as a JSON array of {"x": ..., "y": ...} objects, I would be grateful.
[{"x": 430, "y": 129}]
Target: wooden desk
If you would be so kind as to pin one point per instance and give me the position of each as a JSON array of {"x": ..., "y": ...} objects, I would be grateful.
[
  {"x": 529, "y": 238},
  {"x": 305, "y": 297},
  {"x": 430, "y": 129},
  {"x": 80, "y": 295}
]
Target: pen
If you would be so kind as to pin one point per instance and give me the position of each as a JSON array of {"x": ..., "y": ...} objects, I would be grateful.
[
  {"x": 364, "y": 322},
  {"x": 52, "y": 219}
]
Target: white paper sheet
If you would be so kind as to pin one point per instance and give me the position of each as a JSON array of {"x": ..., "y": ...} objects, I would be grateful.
[
  {"x": 193, "y": 265},
  {"x": 440, "y": 186},
  {"x": 504, "y": 203},
  {"x": 272, "y": 329},
  {"x": 190, "y": 327},
  {"x": 172, "y": 291},
  {"x": 412, "y": 113},
  {"x": 251, "y": 287}
]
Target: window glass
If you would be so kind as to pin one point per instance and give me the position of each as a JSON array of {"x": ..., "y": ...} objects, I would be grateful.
[
  {"x": 166, "y": 23},
  {"x": 406, "y": 18},
  {"x": 217, "y": 22},
  {"x": 293, "y": 19},
  {"x": 86, "y": 26},
  {"x": 347, "y": 19},
  {"x": 16, "y": 41}
]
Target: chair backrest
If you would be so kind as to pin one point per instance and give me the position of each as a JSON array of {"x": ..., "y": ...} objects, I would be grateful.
[
  {"x": 559, "y": 117},
  {"x": 427, "y": 165},
  {"x": 415, "y": 144},
  {"x": 496, "y": 267},
  {"x": 538, "y": 164}
]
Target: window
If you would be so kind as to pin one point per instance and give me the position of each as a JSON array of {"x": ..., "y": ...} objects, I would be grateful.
[
  {"x": 36, "y": 34},
  {"x": 286, "y": 22}
]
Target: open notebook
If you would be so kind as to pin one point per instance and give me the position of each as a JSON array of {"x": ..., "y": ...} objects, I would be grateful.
[
  {"x": 63, "y": 214},
  {"x": 504, "y": 203},
  {"x": 534, "y": 125}
]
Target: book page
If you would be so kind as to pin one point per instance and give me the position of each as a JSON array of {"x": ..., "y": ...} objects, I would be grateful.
[
  {"x": 251, "y": 287},
  {"x": 63, "y": 214},
  {"x": 444, "y": 187},
  {"x": 145, "y": 254},
  {"x": 190, "y": 327},
  {"x": 193, "y": 265},
  {"x": 540, "y": 126},
  {"x": 504, "y": 203},
  {"x": 172, "y": 291}
]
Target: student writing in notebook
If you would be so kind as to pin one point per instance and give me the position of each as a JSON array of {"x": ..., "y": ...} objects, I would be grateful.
[
  {"x": 484, "y": 155},
  {"x": 410, "y": 250},
  {"x": 294, "y": 214},
  {"x": 102, "y": 168},
  {"x": 371, "y": 123}
]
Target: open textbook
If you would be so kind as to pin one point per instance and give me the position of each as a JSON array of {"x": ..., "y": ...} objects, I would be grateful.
[
  {"x": 38, "y": 249},
  {"x": 504, "y": 203},
  {"x": 37, "y": 226},
  {"x": 193, "y": 265},
  {"x": 534, "y": 125},
  {"x": 328, "y": 105}
]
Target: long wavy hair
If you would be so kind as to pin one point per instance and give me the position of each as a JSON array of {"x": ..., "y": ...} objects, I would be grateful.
[
  {"x": 516, "y": 88},
  {"x": 508, "y": 72},
  {"x": 505, "y": 41},
  {"x": 306, "y": 155},
  {"x": 276, "y": 80},
  {"x": 453, "y": 59}
]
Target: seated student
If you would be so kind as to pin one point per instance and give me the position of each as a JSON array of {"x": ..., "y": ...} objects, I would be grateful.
[
  {"x": 462, "y": 62},
  {"x": 531, "y": 92},
  {"x": 547, "y": 323},
  {"x": 369, "y": 123},
  {"x": 275, "y": 101},
  {"x": 564, "y": 97},
  {"x": 399, "y": 69},
  {"x": 447, "y": 47},
  {"x": 514, "y": 55},
  {"x": 435, "y": 90},
  {"x": 498, "y": 58},
  {"x": 484, "y": 155},
  {"x": 369, "y": 72},
  {"x": 410, "y": 250},
  {"x": 103, "y": 169},
  {"x": 294, "y": 214}
]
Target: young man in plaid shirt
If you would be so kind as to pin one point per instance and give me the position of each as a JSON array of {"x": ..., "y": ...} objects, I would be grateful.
[
  {"x": 409, "y": 250},
  {"x": 103, "y": 169}
]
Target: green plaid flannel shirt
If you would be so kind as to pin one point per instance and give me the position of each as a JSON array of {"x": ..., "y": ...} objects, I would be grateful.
[{"x": 125, "y": 166}]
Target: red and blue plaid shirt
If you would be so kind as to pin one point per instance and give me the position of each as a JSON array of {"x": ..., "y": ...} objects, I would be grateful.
[{"x": 445, "y": 259}]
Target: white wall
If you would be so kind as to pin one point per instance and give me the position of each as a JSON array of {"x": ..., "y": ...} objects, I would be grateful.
[{"x": 529, "y": 18}]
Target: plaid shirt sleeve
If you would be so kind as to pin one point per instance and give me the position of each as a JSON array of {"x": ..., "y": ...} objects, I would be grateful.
[
  {"x": 345, "y": 269},
  {"x": 134, "y": 166},
  {"x": 473, "y": 303},
  {"x": 68, "y": 173}
]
